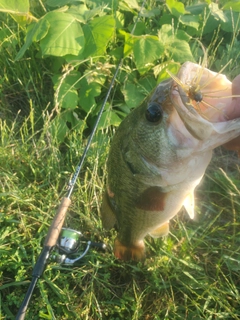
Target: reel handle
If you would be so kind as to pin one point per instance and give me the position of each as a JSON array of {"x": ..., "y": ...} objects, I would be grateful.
[
  {"x": 57, "y": 223},
  {"x": 99, "y": 245}
]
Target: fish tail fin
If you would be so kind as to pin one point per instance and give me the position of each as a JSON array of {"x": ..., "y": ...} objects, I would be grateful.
[{"x": 134, "y": 252}]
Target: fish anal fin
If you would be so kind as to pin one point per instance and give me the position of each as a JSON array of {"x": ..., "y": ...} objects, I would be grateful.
[
  {"x": 135, "y": 251},
  {"x": 160, "y": 231},
  {"x": 189, "y": 204},
  {"x": 107, "y": 215}
]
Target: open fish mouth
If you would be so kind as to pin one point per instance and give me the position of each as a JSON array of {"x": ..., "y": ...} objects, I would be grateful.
[{"x": 206, "y": 101}]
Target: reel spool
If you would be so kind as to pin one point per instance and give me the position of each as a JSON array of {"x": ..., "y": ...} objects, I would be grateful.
[{"x": 68, "y": 249}]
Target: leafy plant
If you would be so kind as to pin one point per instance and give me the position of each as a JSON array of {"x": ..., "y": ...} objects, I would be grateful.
[{"x": 83, "y": 42}]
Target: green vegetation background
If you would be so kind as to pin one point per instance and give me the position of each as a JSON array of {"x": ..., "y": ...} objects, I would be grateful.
[{"x": 57, "y": 58}]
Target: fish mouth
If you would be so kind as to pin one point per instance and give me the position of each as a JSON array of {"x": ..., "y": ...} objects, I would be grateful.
[{"x": 206, "y": 101}]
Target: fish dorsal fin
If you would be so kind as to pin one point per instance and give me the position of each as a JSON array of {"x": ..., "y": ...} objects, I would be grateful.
[{"x": 189, "y": 204}]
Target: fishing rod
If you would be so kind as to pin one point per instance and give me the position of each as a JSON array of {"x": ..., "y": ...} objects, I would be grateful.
[
  {"x": 57, "y": 223},
  {"x": 66, "y": 240}
]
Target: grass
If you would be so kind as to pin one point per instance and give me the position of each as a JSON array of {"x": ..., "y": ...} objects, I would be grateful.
[{"x": 191, "y": 274}]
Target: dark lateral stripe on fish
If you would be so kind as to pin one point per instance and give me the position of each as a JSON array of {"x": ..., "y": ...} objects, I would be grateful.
[{"x": 152, "y": 199}]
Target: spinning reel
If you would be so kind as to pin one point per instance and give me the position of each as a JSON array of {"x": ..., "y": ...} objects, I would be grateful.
[{"x": 68, "y": 250}]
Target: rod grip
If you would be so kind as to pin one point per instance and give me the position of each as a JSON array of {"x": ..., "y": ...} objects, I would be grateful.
[{"x": 57, "y": 223}]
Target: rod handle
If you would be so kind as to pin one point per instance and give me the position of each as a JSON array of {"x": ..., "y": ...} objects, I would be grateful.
[{"x": 57, "y": 223}]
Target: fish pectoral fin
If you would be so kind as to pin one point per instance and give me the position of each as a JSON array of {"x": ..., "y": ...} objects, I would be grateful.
[
  {"x": 107, "y": 215},
  {"x": 189, "y": 204},
  {"x": 161, "y": 231}
]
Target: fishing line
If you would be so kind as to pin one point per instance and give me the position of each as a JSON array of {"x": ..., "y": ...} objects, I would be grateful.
[
  {"x": 78, "y": 169},
  {"x": 55, "y": 228}
]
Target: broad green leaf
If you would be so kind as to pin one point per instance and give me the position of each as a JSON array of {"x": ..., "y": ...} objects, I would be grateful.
[
  {"x": 102, "y": 30},
  {"x": 160, "y": 71},
  {"x": 59, "y": 3},
  {"x": 24, "y": 20},
  {"x": 66, "y": 89},
  {"x": 73, "y": 79},
  {"x": 82, "y": 13},
  {"x": 65, "y": 35},
  {"x": 99, "y": 75},
  {"x": 139, "y": 28},
  {"x": 123, "y": 109},
  {"x": 132, "y": 96},
  {"x": 105, "y": 4},
  {"x": 41, "y": 30},
  {"x": 216, "y": 12},
  {"x": 146, "y": 50},
  {"x": 89, "y": 14},
  {"x": 180, "y": 51},
  {"x": 87, "y": 94},
  {"x": 234, "y": 5},
  {"x": 90, "y": 44},
  {"x": 168, "y": 19},
  {"x": 109, "y": 118},
  {"x": 15, "y": 6},
  {"x": 34, "y": 31},
  {"x": 182, "y": 35},
  {"x": 128, "y": 43},
  {"x": 210, "y": 25},
  {"x": 120, "y": 19},
  {"x": 147, "y": 84},
  {"x": 166, "y": 34},
  {"x": 232, "y": 21},
  {"x": 196, "y": 9},
  {"x": 116, "y": 53},
  {"x": 68, "y": 97},
  {"x": 132, "y": 4},
  {"x": 135, "y": 91},
  {"x": 176, "y": 45},
  {"x": 58, "y": 128},
  {"x": 190, "y": 20},
  {"x": 30, "y": 32},
  {"x": 176, "y": 8},
  {"x": 66, "y": 92},
  {"x": 78, "y": 12},
  {"x": 72, "y": 117},
  {"x": 149, "y": 13}
]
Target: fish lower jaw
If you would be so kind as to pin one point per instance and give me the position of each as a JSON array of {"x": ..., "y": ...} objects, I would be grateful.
[{"x": 134, "y": 252}]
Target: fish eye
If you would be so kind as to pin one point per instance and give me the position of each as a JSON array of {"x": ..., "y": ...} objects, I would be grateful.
[{"x": 154, "y": 112}]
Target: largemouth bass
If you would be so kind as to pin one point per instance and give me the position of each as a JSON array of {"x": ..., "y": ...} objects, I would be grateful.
[{"x": 160, "y": 152}]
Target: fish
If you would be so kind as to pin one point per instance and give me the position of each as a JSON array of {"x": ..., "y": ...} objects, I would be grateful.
[{"x": 160, "y": 152}]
